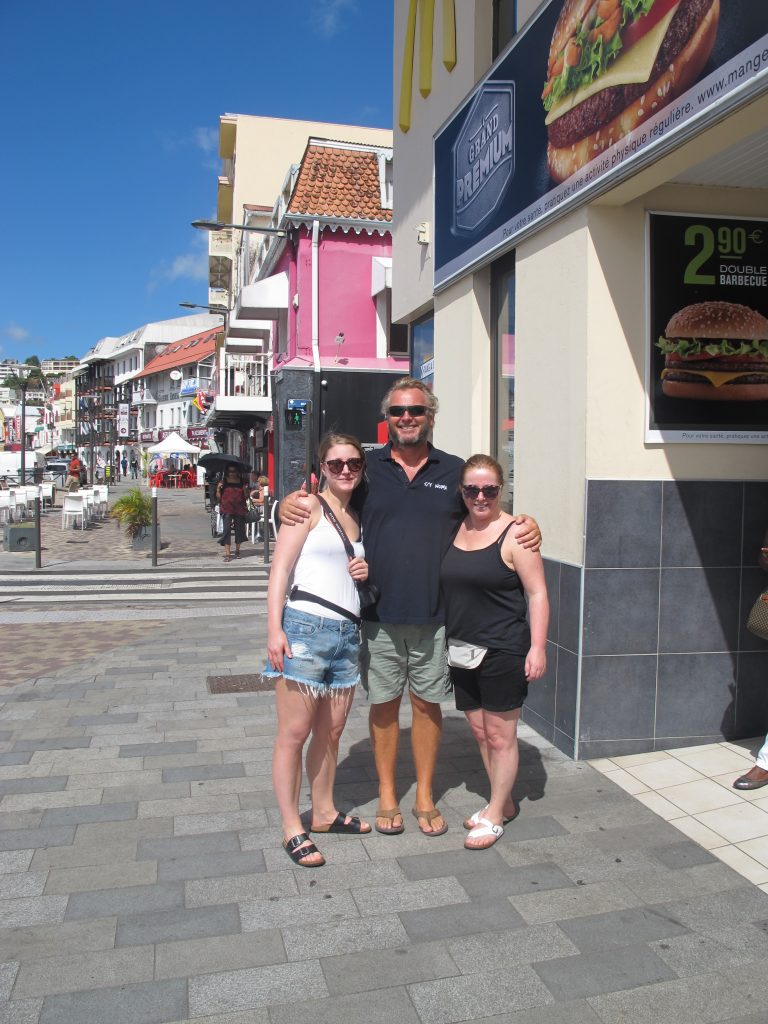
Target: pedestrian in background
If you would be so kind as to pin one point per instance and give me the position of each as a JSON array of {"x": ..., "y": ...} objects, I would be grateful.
[
  {"x": 757, "y": 776},
  {"x": 124, "y": 464},
  {"x": 134, "y": 467},
  {"x": 74, "y": 469},
  {"x": 232, "y": 497}
]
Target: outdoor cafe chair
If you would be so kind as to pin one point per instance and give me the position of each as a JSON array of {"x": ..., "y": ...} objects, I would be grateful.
[
  {"x": 89, "y": 499},
  {"x": 5, "y": 507},
  {"x": 73, "y": 508},
  {"x": 101, "y": 495},
  {"x": 18, "y": 504},
  {"x": 48, "y": 493}
]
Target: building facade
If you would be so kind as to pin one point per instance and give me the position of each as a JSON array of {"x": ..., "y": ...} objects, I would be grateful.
[{"x": 538, "y": 269}]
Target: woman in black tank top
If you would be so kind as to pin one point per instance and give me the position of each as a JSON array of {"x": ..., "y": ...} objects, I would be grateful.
[{"x": 486, "y": 577}]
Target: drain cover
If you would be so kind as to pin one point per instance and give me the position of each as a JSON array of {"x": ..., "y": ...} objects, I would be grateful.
[{"x": 240, "y": 684}]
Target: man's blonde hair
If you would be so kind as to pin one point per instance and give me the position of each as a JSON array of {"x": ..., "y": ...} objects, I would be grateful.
[{"x": 411, "y": 384}]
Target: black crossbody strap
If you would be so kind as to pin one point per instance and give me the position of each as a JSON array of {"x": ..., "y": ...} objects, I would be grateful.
[
  {"x": 303, "y": 595},
  {"x": 339, "y": 528}
]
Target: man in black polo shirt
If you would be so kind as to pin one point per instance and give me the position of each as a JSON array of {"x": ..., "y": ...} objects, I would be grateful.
[{"x": 410, "y": 509}]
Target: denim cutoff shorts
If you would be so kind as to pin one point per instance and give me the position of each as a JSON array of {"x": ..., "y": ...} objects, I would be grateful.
[{"x": 326, "y": 652}]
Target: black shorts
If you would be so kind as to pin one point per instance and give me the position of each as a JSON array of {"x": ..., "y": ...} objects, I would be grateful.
[{"x": 497, "y": 684}]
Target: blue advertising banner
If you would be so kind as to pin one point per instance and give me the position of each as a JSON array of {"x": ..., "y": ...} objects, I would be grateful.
[{"x": 588, "y": 93}]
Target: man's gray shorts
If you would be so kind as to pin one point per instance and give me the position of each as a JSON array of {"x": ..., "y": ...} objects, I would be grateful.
[{"x": 395, "y": 655}]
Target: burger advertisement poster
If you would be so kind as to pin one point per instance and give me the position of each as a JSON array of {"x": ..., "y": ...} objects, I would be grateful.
[
  {"x": 587, "y": 93},
  {"x": 707, "y": 365}
]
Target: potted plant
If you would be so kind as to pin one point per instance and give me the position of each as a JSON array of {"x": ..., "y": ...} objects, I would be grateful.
[{"x": 134, "y": 512}]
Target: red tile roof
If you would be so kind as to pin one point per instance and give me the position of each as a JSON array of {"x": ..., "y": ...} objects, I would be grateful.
[
  {"x": 182, "y": 353},
  {"x": 338, "y": 182}
]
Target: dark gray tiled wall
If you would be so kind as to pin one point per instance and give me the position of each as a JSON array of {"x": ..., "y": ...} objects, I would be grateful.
[{"x": 670, "y": 574}]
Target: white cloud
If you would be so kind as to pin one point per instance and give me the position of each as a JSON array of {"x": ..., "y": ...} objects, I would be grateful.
[
  {"x": 207, "y": 139},
  {"x": 16, "y": 333},
  {"x": 191, "y": 265},
  {"x": 327, "y": 15}
]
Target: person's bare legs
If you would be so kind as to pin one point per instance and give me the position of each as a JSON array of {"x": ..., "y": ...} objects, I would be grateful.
[
  {"x": 476, "y": 720},
  {"x": 323, "y": 753},
  {"x": 295, "y": 713},
  {"x": 426, "y": 730},
  {"x": 384, "y": 725},
  {"x": 503, "y": 756}
]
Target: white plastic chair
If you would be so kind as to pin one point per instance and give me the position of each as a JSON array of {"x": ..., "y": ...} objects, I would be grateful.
[
  {"x": 101, "y": 494},
  {"x": 18, "y": 504},
  {"x": 5, "y": 507},
  {"x": 49, "y": 493},
  {"x": 90, "y": 503},
  {"x": 273, "y": 525},
  {"x": 252, "y": 529},
  {"x": 73, "y": 507}
]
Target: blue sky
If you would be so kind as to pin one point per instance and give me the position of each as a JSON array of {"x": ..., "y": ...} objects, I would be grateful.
[{"x": 109, "y": 126}]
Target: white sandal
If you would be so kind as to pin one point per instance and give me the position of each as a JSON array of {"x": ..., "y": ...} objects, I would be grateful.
[
  {"x": 482, "y": 830},
  {"x": 474, "y": 819}
]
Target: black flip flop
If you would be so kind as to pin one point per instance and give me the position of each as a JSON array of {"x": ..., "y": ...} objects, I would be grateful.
[{"x": 353, "y": 827}]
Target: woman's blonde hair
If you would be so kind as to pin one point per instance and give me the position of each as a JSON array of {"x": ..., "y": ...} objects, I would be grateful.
[{"x": 330, "y": 440}]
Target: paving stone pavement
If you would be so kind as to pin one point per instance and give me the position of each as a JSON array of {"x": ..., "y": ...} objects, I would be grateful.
[{"x": 142, "y": 879}]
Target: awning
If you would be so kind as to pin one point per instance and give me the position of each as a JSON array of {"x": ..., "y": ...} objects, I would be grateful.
[
  {"x": 263, "y": 300},
  {"x": 259, "y": 329},
  {"x": 381, "y": 274}
]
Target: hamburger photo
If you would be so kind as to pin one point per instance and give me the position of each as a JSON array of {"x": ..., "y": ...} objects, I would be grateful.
[
  {"x": 615, "y": 63},
  {"x": 716, "y": 351}
]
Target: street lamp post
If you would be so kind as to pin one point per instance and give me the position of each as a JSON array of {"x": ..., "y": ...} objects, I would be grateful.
[
  {"x": 222, "y": 310},
  {"x": 216, "y": 225},
  {"x": 23, "y": 374}
]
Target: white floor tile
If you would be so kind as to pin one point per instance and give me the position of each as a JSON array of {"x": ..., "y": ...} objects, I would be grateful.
[
  {"x": 662, "y": 774},
  {"x": 716, "y": 760},
  {"x": 627, "y": 782},
  {"x": 735, "y": 858},
  {"x": 697, "y": 797},
  {"x": 756, "y": 848},
  {"x": 699, "y": 833},
  {"x": 737, "y": 823},
  {"x": 656, "y": 803},
  {"x": 647, "y": 758}
]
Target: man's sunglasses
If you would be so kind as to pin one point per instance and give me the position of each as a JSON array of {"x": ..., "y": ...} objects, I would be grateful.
[
  {"x": 396, "y": 411},
  {"x": 490, "y": 491},
  {"x": 336, "y": 466}
]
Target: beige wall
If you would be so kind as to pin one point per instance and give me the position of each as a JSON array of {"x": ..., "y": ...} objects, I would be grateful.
[
  {"x": 266, "y": 147},
  {"x": 462, "y": 364},
  {"x": 552, "y": 289}
]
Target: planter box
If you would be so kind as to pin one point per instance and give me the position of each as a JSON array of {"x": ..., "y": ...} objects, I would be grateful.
[
  {"x": 143, "y": 540},
  {"x": 20, "y": 537}
]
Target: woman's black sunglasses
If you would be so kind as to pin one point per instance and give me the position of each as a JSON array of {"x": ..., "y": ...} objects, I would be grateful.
[
  {"x": 336, "y": 466},
  {"x": 490, "y": 491}
]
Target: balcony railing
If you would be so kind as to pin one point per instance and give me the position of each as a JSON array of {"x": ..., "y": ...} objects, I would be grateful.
[{"x": 246, "y": 378}]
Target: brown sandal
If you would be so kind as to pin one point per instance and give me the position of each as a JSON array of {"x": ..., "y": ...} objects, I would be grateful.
[
  {"x": 430, "y": 816},
  {"x": 391, "y": 813}
]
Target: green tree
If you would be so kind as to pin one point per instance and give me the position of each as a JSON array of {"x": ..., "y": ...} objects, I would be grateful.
[{"x": 31, "y": 361}]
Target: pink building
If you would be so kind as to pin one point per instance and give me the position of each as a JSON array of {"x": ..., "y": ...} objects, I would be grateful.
[{"x": 326, "y": 288}]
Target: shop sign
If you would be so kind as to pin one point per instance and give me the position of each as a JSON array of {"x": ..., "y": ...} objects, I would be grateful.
[
  {"x": 146, "y": 435},
  {"x": 123, "y": 419},
  {"x": 189, "y": 386},
  {"x": 513, "y": 158},
  {"x": 197, "y": 433},
  {"x": 707, "y": 330}
]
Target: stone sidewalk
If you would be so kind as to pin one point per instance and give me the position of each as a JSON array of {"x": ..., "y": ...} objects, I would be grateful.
[{"x": 142, "y": 879}]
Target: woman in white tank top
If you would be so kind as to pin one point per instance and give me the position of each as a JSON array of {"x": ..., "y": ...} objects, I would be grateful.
[{"x": 313, "y": 647}]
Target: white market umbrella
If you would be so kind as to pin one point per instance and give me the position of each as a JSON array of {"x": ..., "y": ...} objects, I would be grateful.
[{"x": 174, "y": 444}]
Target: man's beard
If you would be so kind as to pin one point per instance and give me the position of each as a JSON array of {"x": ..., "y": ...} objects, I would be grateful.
[{"x": 412, "y": 440}]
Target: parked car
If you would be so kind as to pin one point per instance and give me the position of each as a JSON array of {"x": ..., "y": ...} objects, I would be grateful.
[{"x": 56, "y": 470}]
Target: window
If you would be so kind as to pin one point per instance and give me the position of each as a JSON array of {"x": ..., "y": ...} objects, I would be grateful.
[
  {"x": 397, "y": 334},
  {"x": 503, "y": 369},
  {"x": 423, "y": 349},
  {"x": 504, "y": 24}
]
